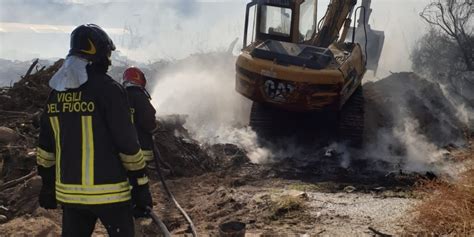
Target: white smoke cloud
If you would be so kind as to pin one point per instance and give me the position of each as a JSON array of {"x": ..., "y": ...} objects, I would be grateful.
[
  {"x": 202, "y": 87},
  {"x": 245, "y": 138},
  {"x": 171, "y": 29},
  {"x": 420, "y": 152},
  {"x": 150, "y": 30}
]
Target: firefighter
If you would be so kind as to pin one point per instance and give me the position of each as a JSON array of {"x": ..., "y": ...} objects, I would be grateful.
[
  {"x": 88, "y": 154},
  {"x": 143, "y": 113}
]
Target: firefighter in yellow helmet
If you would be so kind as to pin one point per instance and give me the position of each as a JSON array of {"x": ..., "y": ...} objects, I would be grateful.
[
  {"x": 88, "y": 153},
  {"x": 143, "y": 113}
]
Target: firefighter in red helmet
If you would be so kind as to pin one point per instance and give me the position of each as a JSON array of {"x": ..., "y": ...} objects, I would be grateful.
[
  {"x": 143, "y": 113},
  {"x": 88, "y": 154}
]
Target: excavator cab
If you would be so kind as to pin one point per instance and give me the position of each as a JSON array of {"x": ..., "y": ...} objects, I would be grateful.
[
  {"x": 296, "y": 21},
  {"x": 279, "y": 20}
]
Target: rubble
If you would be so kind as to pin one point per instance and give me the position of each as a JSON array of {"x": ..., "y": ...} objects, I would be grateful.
[
  {"x": 8, "y": 135},
  {"x": 22, "y": 198},
  {"x": 3, "y": 219},
  {"x": 20, "y": 107},
  {"x": 178, "y": 149},
  {"x": 30, "y": 93},
  {"x": 187, "y": 156}
]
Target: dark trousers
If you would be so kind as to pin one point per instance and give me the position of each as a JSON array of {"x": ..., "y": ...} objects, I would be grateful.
[{"x": 80, "y": 221}]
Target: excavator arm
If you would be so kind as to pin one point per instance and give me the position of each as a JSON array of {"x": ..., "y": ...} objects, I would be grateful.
[{"x": 337, "y": 15}]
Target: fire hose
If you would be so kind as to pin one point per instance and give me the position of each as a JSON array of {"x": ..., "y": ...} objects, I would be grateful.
[
  {"x": 157, "y": 156},
  {"x": 157, "y": 221}
]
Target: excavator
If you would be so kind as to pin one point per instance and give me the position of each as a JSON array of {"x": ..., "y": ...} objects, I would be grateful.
[{"x": 293, "y": 62}]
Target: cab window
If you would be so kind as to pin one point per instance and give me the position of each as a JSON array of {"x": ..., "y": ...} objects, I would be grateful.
[
  {"x": 307, "y": 19},
  {"x": 275, "y": 21}
]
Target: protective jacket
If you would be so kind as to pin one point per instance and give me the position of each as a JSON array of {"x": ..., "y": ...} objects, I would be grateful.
[
  {"x": 87, "y": 137},
  {"x": 143, "y": 117}
]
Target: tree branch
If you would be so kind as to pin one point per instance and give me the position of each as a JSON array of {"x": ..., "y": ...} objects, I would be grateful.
[
  {"x": 31, "y": 68},
  {"x": 452, "y": 17},
  {"x": 14, "y": 182}
]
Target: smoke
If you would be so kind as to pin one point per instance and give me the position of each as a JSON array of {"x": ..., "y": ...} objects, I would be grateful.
[
  {"x": 174, "y": 29},
  {"x": 459, "y": 91},
  {"x": 143, "y": 30},
  {"x": 184, "y": 7},
  {"x": 245, "y": 138},
  {"x": 418, "y": 149},
  {"x": 202, "y": 87},
  {"x": 340, "y": 150},
  {"x": 412, "y": 122},
  {"x": 426, "y": 115},
  {"x": 407, "y": 148}
]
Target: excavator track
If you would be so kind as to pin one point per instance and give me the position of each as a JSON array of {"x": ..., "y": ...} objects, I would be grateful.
[
  {"x": 267, "y": 121},
  {"x": 274, "y": 125},
  {"x": 351, "y": 120}
]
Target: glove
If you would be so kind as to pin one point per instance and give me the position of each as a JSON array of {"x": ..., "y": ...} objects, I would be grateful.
[
  {"x": 141, "y": 196},
  {"x": 141, "y": 201},
  {"x": 47, "y": 196}
]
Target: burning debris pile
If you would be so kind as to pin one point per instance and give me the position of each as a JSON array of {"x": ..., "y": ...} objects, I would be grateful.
[
  {"x": 412, "y": 123},
  {"x": 186, "y": 156},
  {"x": 407, "y": 95}
]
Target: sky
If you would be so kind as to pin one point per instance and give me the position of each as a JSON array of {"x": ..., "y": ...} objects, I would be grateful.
[{"x": 172, "y": 29}]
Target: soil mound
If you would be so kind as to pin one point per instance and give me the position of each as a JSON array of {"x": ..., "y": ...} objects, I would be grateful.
[{"x": 406, "y": 95}]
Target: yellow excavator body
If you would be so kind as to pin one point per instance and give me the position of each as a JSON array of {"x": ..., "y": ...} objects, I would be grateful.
[
  {"x": 296, "y": 62},
  {"x": 299, "y": 88}
]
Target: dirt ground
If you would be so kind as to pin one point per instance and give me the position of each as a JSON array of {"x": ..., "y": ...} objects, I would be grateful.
[
  {"x": 269, "y": 202},
  {"x": 271, "y": 205},
  {"x": 311, "y": 195}
]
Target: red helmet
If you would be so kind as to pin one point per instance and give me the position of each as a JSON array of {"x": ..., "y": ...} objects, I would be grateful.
[{"x": 134, "y": 76}]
